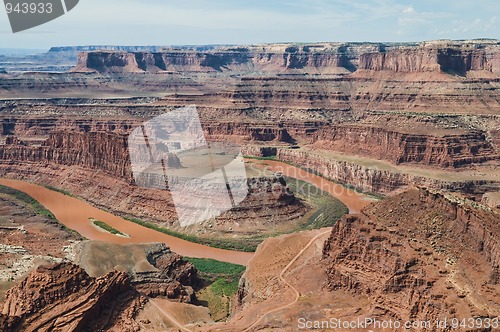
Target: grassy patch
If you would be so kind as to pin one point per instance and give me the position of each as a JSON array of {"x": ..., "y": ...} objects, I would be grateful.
[
  {"x": 329, "y": 209},
  {"x": 220, "y": 285},
  {"x": 35, "y": 206},
  {"x": 106, "y": 227},
  {"x": 224, "y": 287},
  {"x": 211, "y": 266}
]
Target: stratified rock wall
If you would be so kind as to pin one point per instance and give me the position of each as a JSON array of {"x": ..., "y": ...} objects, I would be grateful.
[
  {"x": 372, "y": 178},
  {"x": 418, "y": 256},
  {"x": 63, "y": 296},
  {"x": 95, "y": 150},
  {"x": 328, "y": 58},
  {"x": 398, "y": 147}
]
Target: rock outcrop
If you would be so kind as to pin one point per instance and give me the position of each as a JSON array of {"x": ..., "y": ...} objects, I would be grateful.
[
  {"x": 63, "y": 297},
  {"x": 454, "y": 58},
  {"x": 420, "y": 255},
  {"x": 399, "y": 147},
  {"x": 75, "y": 143},
  {"x": 375, "y": 179},
  {"x": 113, "y": 62},
  {"x": 329, "y": 58},
  {"x": 153, "y": 269},
  {"x": 349, "y": 111},
  {"x": 174, "y": 277},
  {"x": 268, "y": 202}
]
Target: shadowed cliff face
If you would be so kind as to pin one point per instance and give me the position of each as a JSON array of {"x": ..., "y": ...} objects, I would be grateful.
[
  {"x": 64, "y": 297},
  {"x": 419, "y": 255},
  {"x": 440, "y": 56}
]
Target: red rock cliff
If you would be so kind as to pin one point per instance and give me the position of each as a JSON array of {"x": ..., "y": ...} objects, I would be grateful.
[
  {"x": 329, "y": 58},
  {"x": 64, "y": 297},
  {"x": 419, "y": 256}
]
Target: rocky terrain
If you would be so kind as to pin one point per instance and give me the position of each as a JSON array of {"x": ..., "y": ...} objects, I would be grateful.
[
  {"x": 61, "y": 59},
  {"x": 379, "y": 117},
  {"x": 154, "y": 270},
  {"x": 415, "y": 122},
  {"x": 380, "y": 177},
  {"x": 462, "y": 58},
  {"x": 421, "y": 255},
  {"x": 29, "y": 239},
  {"x": 63, "y": 297}
]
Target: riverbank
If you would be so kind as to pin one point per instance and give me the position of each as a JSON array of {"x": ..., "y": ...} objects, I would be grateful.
[{"x": 75, "y": 214}]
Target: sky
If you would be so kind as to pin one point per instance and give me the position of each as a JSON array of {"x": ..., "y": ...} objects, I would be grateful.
[{"x": 200, "y": 22}]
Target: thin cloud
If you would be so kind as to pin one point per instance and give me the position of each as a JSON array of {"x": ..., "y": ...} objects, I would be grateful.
[{"x": 165, "y": 22}]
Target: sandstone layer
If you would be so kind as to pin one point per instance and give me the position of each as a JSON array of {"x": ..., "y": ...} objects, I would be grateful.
[
  {"x": 153, "y": 269},
  {"x": 63, "y": 297},
  {"x": 379, "y": 117},
  {"x": 370, "y": 176},
  {"x": 459, "y": 58},
  {"x": 422, "y": 255},
  {"x": 29, "y": 238}
]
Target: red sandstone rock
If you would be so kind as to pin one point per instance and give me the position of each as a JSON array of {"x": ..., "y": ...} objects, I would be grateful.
[
  {"x": 456, "y": 58},
  {"x": 399, "y": 148},
  {"x": 420, "y": 255},
  {"x": 63, "y": 297}
]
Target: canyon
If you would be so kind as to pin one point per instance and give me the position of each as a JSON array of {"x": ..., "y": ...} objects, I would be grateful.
[
  {"x": 414, "y": 125},
  {"x": 419, "y": 256}
]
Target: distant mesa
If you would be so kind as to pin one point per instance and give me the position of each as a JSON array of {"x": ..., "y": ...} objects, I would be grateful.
[{"x": 479, "y": 58}]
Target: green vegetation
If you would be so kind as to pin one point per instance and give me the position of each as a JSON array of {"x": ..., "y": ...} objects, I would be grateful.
[
  {"x": 62, "y": 191},
  {"x": 328, "y": 211},
  {"x": 35, "y": 206},
  {"x": 106, "y": 227},
  {"x": 223, "y": 287},
  {"x": 220, "y": 285},
  {"x": 247, "y": 245},
  {"x": 262, "y": 158},
  {"x": 27, "y": 199}
]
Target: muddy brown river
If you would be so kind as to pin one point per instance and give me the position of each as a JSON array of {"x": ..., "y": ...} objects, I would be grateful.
[{"x": 75, "y": 214}]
